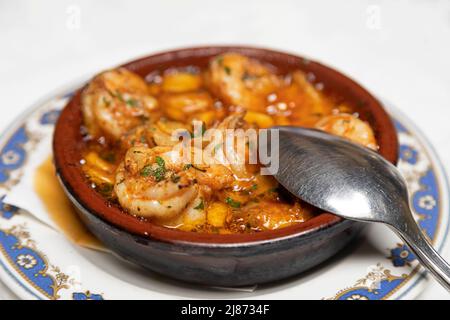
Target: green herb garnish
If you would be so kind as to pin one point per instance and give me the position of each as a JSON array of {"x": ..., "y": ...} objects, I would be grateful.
[
  {"x": 158, "y": 173},
  {"x": 233, "y": 203},
  {"x": 160, "y": 161},
  {"x": 132, "y": 102},
  {"x": 201, "y": 205},
  {"x": 227, "y": 70},
  {"x": 146, "y": 171}
]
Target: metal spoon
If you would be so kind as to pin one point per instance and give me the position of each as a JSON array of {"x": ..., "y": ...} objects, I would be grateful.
[{"x": 352, "y": 182}]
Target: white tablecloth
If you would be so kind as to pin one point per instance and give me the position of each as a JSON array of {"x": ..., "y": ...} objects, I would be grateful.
[{"x": 399, "y": 50}]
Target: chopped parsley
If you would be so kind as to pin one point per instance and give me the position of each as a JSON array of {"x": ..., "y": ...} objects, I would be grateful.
[
  {"x": 158, "y": 173},
  {"x": 233, "y": 203},
  {"x": 146, "y": 171},
  {"x": 160, "y": 161},
  {"x": 132, "y": 102},
  {"x": 227, "y": 70},
  {"x": 201, "y": 205}
]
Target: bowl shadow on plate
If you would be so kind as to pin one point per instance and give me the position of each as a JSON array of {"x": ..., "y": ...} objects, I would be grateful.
[{"x": 145, "y": 279}]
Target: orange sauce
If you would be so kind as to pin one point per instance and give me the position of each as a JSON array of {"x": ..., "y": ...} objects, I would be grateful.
[
  {"x": 60, "y": 209},
  {"x": 188, "y": 93}
]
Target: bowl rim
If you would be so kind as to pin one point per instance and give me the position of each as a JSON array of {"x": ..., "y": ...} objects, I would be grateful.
[{"x": 70, "y": 174}]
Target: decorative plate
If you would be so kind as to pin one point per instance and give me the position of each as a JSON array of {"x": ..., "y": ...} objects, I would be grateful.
[{"x": 37, "y": 262}]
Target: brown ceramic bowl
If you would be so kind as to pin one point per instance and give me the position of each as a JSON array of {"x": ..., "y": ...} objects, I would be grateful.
[{"x": 212, "y": 259}]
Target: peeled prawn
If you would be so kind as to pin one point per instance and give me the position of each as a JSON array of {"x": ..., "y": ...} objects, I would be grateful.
[
  {"x": 151, "y": 184},
  {"x": 241, "y": 81},
  {"x": 157, "y": 183},
  {"x": 115, "y": 102},
  {"x": 350, "y": 127},
  {"x": 163, "y": 133}
]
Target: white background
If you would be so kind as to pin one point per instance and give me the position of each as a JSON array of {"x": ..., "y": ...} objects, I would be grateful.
[{"x": 399, "y": 50}]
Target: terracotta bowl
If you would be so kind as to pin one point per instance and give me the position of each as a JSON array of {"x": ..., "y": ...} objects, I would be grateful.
[{"x": 211, "y": 259}]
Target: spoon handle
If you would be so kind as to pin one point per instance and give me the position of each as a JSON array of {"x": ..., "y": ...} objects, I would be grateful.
[{"x": 410, "y": 232}]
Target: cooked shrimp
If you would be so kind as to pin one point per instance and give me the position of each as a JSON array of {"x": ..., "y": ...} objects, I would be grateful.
[
  {"x": 163, "y": 133},
  {"x": 350, "y": 127},
  {"x": 140, "y": 136},
  {"x": 151, "y": 183},
  {"x": 231, "y": 153},
  {"x": 115, "y": 102},
  {"x": 215, "y": 176},
  {"x": 156, "y": 183},
  {"x": 241, "y": 81}
]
